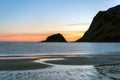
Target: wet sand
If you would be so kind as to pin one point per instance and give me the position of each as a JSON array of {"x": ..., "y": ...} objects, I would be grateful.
[
  {"x": 47, "y": 67},
  {"x": 20, "y": 63},
  {"x": 44, "y": 61},
  {"x": 86, "y": 60}
]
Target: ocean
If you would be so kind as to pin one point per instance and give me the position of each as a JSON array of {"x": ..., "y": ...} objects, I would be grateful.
[{"x": 19, "y": 48}]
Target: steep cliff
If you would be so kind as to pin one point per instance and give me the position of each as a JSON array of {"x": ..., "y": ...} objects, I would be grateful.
[{"x": 105, "y": 27}]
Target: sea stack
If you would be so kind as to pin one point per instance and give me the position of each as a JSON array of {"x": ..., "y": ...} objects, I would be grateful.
[
  {"x": 55, "y": 38},
  {"x": 105, "y": 27}
]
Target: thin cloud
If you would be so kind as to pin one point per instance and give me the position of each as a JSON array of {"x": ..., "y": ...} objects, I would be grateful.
[
  {"x": 11, "y": 35},
  {"x": 40, "y": 34},
  {"x": 77, "y": 24}
]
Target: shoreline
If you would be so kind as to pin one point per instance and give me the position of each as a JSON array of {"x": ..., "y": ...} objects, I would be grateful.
[
  {"x": 70, "y": 57},
  {"x": 46, "y": 60}
]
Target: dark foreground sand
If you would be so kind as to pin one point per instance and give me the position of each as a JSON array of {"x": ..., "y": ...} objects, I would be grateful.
[
  {"x": 20, "y": 63},
  {"x": 44, "y": 61},
  {"x": 86, "y": 59},
  {"x": 60, "y": 67}
]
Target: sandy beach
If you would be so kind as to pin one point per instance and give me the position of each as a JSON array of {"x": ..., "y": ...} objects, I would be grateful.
[
  {"x": 40, "y": 60},
  {"x": 99, "y": 67}
]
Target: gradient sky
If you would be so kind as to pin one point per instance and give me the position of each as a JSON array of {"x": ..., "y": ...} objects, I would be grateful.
[{"x": 34, "y": 20}]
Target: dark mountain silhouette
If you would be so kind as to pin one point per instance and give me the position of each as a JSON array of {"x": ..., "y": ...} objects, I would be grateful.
[
  {"x": 55, "y": 38},
  {"x": 105, "y": 27}
]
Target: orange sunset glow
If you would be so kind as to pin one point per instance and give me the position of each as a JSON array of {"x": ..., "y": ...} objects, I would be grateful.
[
  {"x": 69, "y": 36},
  {"x": 35, "y": 20}
]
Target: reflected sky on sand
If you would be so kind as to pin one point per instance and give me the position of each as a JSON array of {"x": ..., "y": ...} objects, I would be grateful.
[
  {"x": 58, "y": 72},
  {"x": 40, "y": 69}
]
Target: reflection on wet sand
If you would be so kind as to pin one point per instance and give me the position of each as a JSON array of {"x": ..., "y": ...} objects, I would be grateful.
[{"x": 60, "y": 67}]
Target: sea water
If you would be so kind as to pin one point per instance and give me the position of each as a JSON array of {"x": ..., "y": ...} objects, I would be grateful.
[{"x": 11, "y": 49}]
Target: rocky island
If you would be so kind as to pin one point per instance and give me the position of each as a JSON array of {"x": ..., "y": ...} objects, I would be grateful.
[{"x": 55, "y": 38}]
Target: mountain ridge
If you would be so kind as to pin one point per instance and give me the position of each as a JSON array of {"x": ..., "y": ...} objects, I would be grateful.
[{"x": 105, "y": 27}]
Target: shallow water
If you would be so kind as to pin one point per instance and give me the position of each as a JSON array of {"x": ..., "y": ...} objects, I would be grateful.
[{"x": 58, "y": 72}]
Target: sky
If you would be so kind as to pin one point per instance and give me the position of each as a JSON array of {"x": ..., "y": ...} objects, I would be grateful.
[{"x": 34, "y": 20}]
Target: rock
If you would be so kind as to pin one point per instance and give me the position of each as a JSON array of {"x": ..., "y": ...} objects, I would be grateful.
[
  {"x": 55, "y": 38},
  {"x": 105, "y": 27}
]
